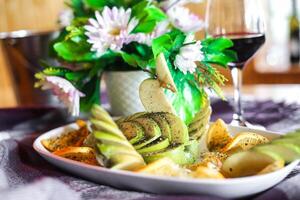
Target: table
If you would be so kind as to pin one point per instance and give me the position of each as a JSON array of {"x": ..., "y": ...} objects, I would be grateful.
[{"x": 21, "y": 165}]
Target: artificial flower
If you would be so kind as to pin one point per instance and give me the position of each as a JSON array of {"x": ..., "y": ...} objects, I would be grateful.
[
  {"x": 65, "y": 17},
  {"x": 111, "y": 29},
  {"x": 183, "y": 19},
  {"x": 188, "y": 55},
  {"x": 64, "y": 90}
]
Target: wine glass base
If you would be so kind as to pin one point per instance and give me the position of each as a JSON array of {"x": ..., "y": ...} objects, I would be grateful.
[{"x": 242, "y": 122}]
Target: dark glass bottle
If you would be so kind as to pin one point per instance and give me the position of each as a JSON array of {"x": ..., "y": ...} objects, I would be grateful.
[{"x": 294, "y": 34}]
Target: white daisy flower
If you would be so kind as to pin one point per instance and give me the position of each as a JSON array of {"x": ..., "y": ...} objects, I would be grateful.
[
  {"x": 65, "y": 17},
  {"x": 111, "y": 29},
  {"x": 64, "y": 90},
  {"x": 183, "y": 19},
  {"x": 188, "y": 55}
]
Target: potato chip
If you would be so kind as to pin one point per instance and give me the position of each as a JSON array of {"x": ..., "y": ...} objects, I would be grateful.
[
  {"x": 164, "y": 167},
  {"x": 71, "y": 139},
  {"x": 218, "y": 136},
  {"x": 245, "y": 141},
  {"x": 207, "y": 173},
  {"x": 277, "y": 165},
  {"x": 80, "y": 154},
  {"x": 246, "y": 163},
  {"x": 212, "y": 160}
]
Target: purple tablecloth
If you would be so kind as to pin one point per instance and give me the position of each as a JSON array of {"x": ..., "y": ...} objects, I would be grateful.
[{"x": 25, "y": 175}]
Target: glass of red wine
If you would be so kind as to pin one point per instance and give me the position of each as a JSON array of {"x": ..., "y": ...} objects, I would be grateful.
[{"x": 242, "y": 22}]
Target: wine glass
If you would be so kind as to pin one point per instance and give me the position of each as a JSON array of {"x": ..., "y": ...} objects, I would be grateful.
[{"x": 242, "y": 22}]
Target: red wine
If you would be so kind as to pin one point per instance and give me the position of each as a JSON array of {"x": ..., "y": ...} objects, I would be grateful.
[{"x": 245, "y": 45}]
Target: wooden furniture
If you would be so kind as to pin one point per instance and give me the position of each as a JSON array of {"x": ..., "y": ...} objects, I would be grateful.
[{"x": 34, "y": 15}]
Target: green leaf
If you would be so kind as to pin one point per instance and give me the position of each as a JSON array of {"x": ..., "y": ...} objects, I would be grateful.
[
  {"x": 216, "y": 51},
  {"x": 78, "y": 51},
  {"x": 77, "y": 7},
  {"x": 161, "y": 44},
  {"x": 145, "y": 27},
  {"x": 217, "y": 44},
  {"x": 130, "y": 59},
  {"x": 148, "y": 16},
  {"x": 189, "y": 99},
  {"x": 95, "y": 4},
  {"x": 219, "y": 58},
  {"x": 92, "y": 94}
]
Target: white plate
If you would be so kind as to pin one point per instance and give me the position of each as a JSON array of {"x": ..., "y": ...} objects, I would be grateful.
[{"x": 228, "y": 188}]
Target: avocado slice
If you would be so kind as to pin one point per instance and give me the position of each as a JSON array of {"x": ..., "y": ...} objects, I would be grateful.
[
  {"x": 179, "y": 130},
  {"x": 151, "y": 131},
  {"x": 162, "y": 123},
  {"x": 131, "y": 117},
  {"x": 287, "y": 152},
  {"x": 175, "y": 153},
  {"x": 204, "y": 120},
  {"x": 157, "y": 145},
  {"x": 134, "y": 132}
]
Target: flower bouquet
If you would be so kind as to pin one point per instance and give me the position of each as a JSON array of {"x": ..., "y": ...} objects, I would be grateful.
[{"x": 129, "y": 35}]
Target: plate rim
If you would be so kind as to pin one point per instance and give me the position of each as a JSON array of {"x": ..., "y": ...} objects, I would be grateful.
[{"x": 40, "y": 149}]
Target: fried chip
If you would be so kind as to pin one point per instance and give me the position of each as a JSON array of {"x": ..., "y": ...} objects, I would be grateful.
[
  {"x": 163, "y": 167},
  {"x": 80, "y": 154},
  {"x": 245, "y": 141},
  {"x": 218, "y": 136},
  {"x": 71, "y": 139},
  {"x": 277, "y": 165},
  {"x": 206, "y": 173},
  {"x": 212, "y": 160}
]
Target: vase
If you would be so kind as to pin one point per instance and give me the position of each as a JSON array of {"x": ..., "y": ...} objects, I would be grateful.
[{"x": 122, "y": 89}]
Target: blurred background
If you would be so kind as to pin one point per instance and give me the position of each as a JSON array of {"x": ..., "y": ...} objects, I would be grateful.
[{"x": 276, "y": 63}]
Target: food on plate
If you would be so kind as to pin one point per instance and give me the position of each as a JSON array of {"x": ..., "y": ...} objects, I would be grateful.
[
  {"x": 111, "y": 143},
  {"x": 199, "y": 126},
  {"x": 287, "y": 152},
  {"x": 209, "y": 159},
  {"x": 276, "y": 165},
  {"x": 246, "y": 163},
  {"x": 160, "y": 143},
  {"x": 164, "y": 167},
  {"x": 153, "y": 97},
  {"x": 245, "y": 141},
  {"x": 207, "y": 173},
  {"x": 218, "y": 136},
  {"x": 81, "y": 154},
  {"x": 74, "y": 138}
]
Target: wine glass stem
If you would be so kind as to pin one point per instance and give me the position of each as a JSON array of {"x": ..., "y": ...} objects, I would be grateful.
[{"x": 237, "y": 76}]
